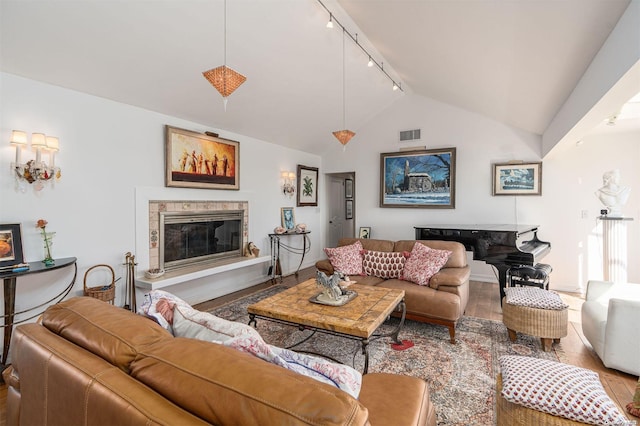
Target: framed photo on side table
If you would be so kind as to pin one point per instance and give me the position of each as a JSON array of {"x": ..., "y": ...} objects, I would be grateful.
[
  {"x": 196, "y": 160},
  {"x": 517, "y": 179},
  {"x": 307, "y": 186},
  {"x": 418, "y": 179},
  {"x": 10, "y": 246},
  {"x": 288, "y": 218}
]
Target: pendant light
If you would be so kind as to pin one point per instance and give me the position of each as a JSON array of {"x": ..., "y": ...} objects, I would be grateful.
[
  {"x": 343, "y": 136},
  {"x": 226, "y": 80}
]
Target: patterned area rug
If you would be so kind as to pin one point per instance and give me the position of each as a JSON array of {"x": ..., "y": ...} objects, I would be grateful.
[{"x": 461, "y": 376}]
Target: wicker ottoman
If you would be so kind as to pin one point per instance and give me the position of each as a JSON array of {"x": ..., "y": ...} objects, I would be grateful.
[{"x": 536, "y": 312}]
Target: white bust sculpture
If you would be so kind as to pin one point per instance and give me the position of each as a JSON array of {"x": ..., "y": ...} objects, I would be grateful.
[{"x": 613, "y": 195}]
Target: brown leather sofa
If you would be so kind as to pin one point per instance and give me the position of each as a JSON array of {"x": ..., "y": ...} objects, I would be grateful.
[
  {"x": 90, "y": 363},
  {"x": 442, "y": 302}
]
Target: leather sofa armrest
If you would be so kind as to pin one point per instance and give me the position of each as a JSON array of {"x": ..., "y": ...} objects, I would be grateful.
[
  {"x": 397, "y": 400},
  {"x": 325, "y": 266},
  {"x": 450, "y": 277},
  {"x": 12, "y": 381}
]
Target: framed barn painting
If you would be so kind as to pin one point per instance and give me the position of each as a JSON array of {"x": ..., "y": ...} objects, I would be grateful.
[
  {"x": 196, "y": 160},
  {"x": 418, "y": 179},
  {"x": 517, "y": 179},
  {"x": 307, "y": 186}
]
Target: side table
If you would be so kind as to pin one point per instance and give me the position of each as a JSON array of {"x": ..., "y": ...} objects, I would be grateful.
[
  {"x": 9, "y": 281},
  {"x": 275, "y": 269}
]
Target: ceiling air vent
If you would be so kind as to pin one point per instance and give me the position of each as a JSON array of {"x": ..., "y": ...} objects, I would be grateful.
[{"x": 409, "y": 135}]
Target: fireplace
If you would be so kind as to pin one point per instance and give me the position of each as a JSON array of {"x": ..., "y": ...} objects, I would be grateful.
[
  {"x": 196, "y": 234},
  {"x": 188, "y": 239}
]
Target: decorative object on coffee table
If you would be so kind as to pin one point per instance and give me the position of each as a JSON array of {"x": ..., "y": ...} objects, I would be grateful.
[{"x": 332, "y": 294}]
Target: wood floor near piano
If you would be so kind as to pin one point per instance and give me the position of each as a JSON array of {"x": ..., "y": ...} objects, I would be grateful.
[{"x": 484, "y": 302}]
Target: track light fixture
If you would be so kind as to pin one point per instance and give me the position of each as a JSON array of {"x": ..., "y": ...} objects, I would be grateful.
[
  {"x": 330, "y": 23},
  {"x": 371, "y": 62}
]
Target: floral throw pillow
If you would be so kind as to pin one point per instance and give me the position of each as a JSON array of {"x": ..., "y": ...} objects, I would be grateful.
[
  {"x": 383, "y": 264},
  {"x": 346, "y": 259},
  {"x": 423, "y": 263},
  {"x": 560, "y": 389}
]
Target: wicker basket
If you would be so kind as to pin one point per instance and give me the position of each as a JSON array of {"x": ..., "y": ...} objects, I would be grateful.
[{"x": 107, "y": 292}]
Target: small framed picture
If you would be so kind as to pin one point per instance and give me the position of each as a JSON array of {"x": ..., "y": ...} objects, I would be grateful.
[
  {"x": 365, "y": 232},
  {"x": 307, "y": 186},
  {"x": 10, "y": 246},
  {"x": 288, "y": 218},
  {"x": 517, "y": 179},
  {"x": 348, "y": 209},
  {"x": 348, "y": 188}
]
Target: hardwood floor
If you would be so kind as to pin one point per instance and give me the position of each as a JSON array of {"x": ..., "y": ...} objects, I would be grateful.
[{"x": 484, "y": 302}]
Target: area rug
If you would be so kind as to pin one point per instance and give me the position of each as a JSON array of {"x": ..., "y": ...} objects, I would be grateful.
[{"x": 461, "y": 376}]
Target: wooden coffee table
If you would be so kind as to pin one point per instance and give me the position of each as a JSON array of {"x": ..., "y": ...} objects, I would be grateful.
[{"x": 358, "y": 319}]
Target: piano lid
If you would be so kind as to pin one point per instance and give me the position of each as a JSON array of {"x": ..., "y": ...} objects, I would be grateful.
[{"x": 505, "y": 227}]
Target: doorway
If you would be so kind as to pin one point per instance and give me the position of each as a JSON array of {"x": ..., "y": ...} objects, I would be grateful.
[{"x": 341, "y": 209}]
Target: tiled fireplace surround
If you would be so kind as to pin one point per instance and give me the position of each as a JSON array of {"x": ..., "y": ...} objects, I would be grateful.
[{"x": 181, "y": 206}]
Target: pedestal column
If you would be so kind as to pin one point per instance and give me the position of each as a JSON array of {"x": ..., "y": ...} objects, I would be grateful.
[{"x": 614, "y": 256}]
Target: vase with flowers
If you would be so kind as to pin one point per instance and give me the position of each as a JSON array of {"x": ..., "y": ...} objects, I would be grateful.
[{"x": 47, "y": 237}]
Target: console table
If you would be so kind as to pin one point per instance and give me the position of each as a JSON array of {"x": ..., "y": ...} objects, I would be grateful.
[
  {"x": 275, "y": 269},
  {"x": 9, "y": 280}
]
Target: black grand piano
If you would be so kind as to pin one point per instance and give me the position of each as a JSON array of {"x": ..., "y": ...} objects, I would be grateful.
[{"x": 502, "y": 246}]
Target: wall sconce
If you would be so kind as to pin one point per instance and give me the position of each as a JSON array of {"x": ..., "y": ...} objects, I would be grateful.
[
  {"x": 288, "y": 183},
  {"x": 35, "y": 171}
]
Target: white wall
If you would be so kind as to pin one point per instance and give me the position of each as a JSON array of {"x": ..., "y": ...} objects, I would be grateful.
[
  {"x": 568, "y": 186},
  {"x": 110, "y": 153}
]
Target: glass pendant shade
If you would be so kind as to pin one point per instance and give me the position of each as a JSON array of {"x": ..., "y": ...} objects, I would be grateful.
[
  {"x": 344, "y": 136},
  {"x": 226, "y": 80}
]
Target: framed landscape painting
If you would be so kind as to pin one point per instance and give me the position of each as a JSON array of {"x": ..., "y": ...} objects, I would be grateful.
[
  {"x": 307, "y": 186},
  {"x": 517, "y": 179},
  {"x": 418, "y": 179},
  {"x": 196, "y": 160}
]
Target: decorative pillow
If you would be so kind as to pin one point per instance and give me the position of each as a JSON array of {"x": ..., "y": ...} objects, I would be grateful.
[
  {"x": 560, "y": 389},
  {"x": 534, "y": 297},
  {"x": 383, "y": 264},
  {"x": 346, "y": 259},
  {"x": 423, "y": 263}
]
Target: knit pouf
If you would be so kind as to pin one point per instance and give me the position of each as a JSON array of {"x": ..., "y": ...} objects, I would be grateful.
[{"x": 547, "y": 324}]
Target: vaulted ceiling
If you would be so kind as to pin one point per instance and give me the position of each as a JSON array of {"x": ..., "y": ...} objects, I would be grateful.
[{"x": 513, "y": 61}]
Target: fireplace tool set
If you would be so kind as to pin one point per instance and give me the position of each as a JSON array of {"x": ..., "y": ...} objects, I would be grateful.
[{"x": 130, "y": 283}]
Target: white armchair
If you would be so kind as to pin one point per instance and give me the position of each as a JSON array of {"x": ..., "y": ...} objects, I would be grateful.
[{"x": 611, "y": 323}]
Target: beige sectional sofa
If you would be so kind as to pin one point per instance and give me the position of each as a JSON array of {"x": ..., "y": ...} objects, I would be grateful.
[{"x": 442, "y": 302}]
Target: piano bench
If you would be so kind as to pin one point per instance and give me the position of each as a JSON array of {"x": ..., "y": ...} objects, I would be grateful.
[{"x": 527, "y": 275}]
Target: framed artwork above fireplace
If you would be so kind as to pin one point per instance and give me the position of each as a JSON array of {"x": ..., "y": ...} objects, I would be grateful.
[{"x": 196, "y": 160}]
